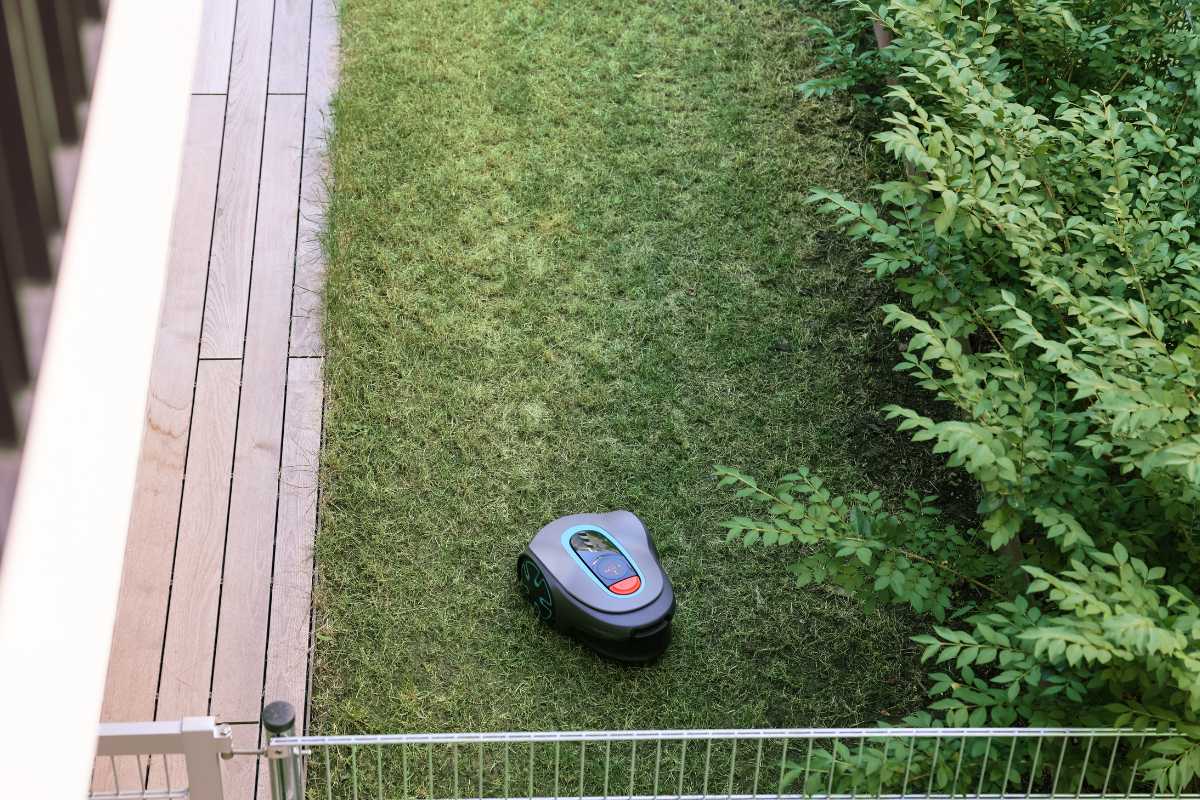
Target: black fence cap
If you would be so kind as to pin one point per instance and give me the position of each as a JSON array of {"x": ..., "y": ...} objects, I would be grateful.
[{"x": 279, "y": 717}]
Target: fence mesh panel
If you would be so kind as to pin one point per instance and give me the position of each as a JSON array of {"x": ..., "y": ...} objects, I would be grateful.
[{"x": 747, "y": 764}]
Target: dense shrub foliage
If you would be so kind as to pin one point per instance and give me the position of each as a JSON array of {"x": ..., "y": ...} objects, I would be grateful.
[{"x": 1043, "y": 234}]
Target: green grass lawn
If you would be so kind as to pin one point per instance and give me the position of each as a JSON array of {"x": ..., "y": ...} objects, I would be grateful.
[{"x": 571, "y": 270}]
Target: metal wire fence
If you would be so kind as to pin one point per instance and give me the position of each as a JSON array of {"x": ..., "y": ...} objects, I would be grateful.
[{"x": 741, "y": 764}]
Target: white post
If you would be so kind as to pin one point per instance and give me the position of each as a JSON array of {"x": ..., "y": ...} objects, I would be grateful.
[
  {"x": 61, "y": 571},
  {"x": 200, "y": 740},
  {"x": 202, "y": 743}
]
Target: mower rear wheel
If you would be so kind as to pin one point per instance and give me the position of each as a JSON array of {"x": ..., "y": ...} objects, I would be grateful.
[{"x": 536, "y": 589}]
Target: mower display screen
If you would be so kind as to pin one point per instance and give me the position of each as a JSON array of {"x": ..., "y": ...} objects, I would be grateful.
[
  {"x": 592, "y": 542},
  {"x": 605, "y": 561}
]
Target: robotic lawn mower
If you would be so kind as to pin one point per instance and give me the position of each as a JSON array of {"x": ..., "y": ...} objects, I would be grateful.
[{"x": 597, "y": 576}]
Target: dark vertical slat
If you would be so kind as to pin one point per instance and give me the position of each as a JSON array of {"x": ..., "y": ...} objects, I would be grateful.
[
  {"x": 65, "y": 61},
  {"x": 89, "y": 8},
  {"x": 14, "y": 365},
  {"x": 14, "y": 358},
  {"x": 28, "y": 155},
  {"x": 8, "y": 413},
  {"x": 38, "y": 66},
  {"x": 12, "y": 243},
  {"x": 70, "y": 21}
]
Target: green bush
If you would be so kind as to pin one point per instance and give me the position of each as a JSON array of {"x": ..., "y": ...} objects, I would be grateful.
[{"x": 1043, "y": 234}]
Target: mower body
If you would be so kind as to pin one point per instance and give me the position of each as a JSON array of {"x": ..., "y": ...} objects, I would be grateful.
[{"x": 597, "y": 577}]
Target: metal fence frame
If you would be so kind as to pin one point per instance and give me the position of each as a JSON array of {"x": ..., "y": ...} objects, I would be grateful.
[
  {"x": 201, "y": 742},
  {"x": 776, "y": 764},
  {"x": 363, "y": 774}
]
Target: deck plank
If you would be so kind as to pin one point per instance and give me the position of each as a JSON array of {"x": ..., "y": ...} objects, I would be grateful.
[
  {"x": 239, "y": 773},
  {"x": 192, "y": 620},
  {"x": 233, "y": 235},
  {"x": 141, "y": 612},
  {"x": 288, "y": 647},
  {"x": 289, "y": 47},
  {"x": 310, "y": 257},
  {"x": 242, "y": 631},
  {"x": 263, "y": 516},
  {"x": 216, "y": 46}
]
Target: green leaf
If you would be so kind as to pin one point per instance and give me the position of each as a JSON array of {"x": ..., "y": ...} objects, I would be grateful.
[{"x": 949, "y": 208}]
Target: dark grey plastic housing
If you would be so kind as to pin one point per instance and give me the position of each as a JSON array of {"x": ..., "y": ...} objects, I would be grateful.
[{"x": 568, "y": 595}]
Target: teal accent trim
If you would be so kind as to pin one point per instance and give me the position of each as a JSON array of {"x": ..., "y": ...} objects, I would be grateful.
[{"x": 566, "y": 543}]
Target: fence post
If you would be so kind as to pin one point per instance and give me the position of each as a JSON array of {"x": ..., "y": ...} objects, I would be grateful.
[
  {"x": 202, "y": 743},
  {"x": 279, "y": 719}
]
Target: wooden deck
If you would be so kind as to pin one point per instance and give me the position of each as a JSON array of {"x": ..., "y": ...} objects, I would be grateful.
[{"x": 214, "y": 612}]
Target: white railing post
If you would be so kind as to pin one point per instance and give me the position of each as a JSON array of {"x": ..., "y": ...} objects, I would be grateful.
[
  {"x": 202, "y": 743},
  {"x": 61, "y": 572},
  {"x": 200, "y": 740}
]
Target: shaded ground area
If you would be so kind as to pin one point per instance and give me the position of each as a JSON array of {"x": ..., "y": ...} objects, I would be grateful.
[{"x": 572, "y": 270}]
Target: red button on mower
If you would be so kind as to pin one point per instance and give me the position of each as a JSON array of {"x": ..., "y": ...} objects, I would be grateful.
[{"x": 627, "y": 586}]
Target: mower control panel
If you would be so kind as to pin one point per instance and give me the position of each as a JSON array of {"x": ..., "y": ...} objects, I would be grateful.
[{"x": 606, "y": 561}]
